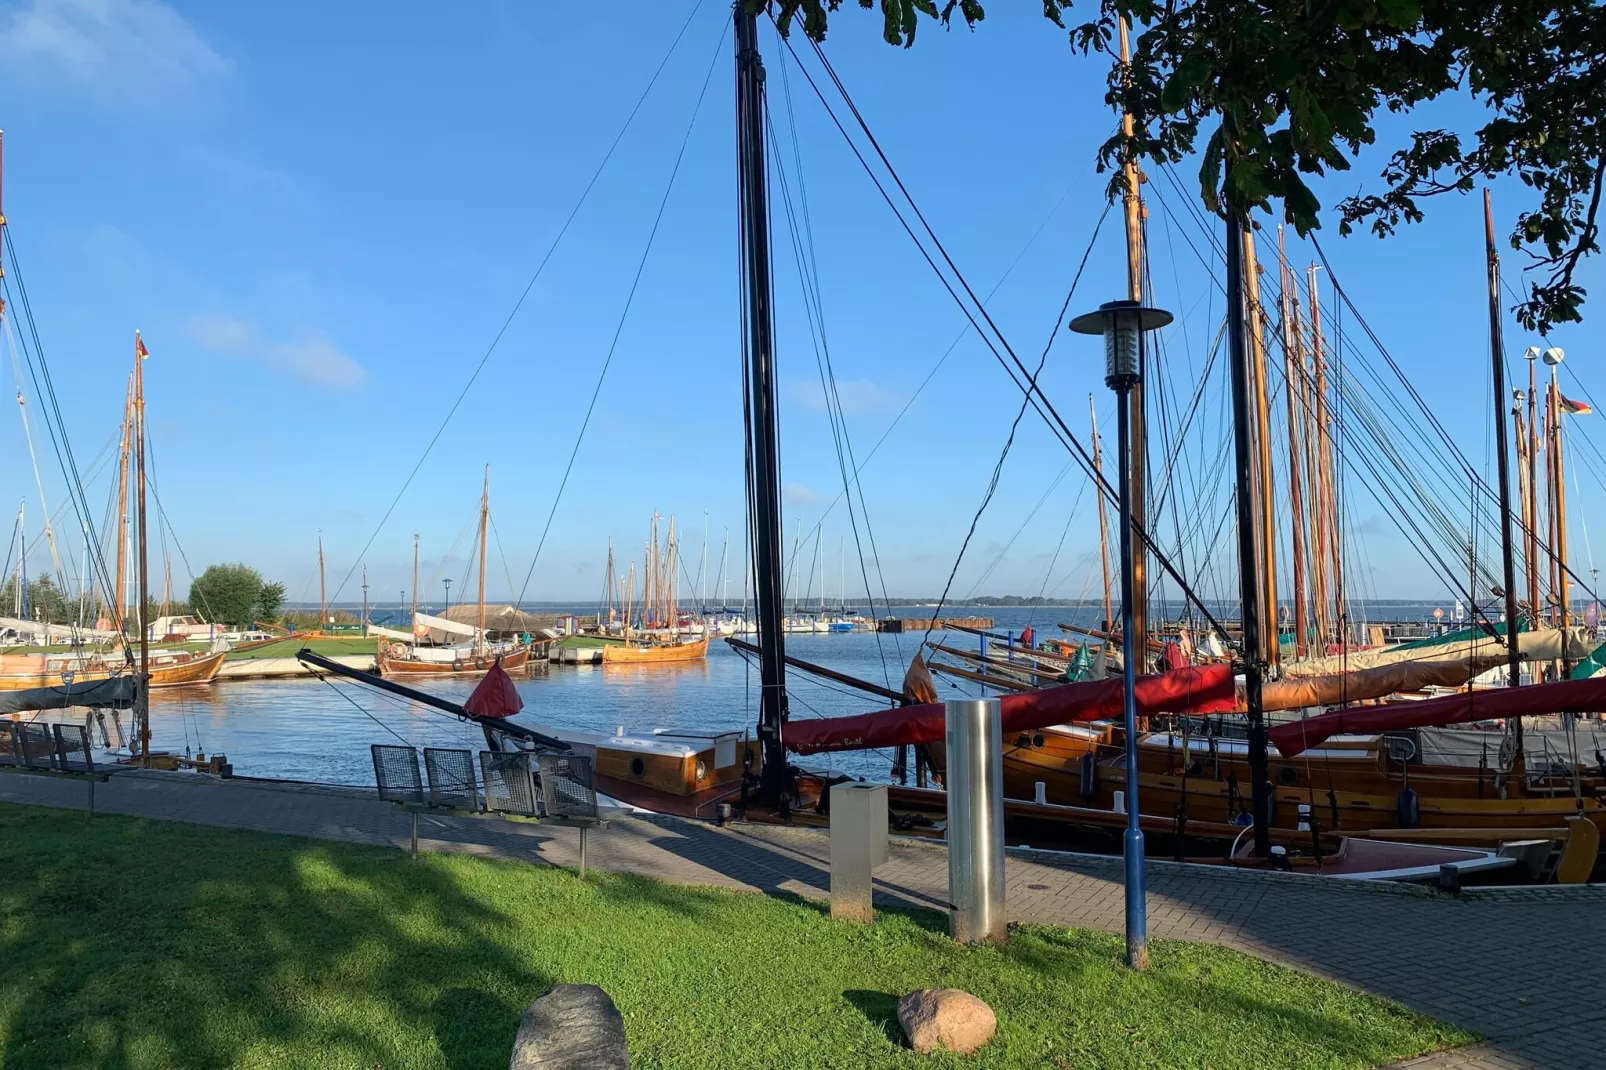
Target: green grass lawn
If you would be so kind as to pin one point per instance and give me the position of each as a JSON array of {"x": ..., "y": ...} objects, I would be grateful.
[
  {"x": 132, "y": 944},
  {"x": 286, "y": 648},
  {"x": 587, "y": 641}
]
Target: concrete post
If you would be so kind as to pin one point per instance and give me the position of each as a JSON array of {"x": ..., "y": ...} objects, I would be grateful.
[
  {"x": 858, "y": 845},
  {"x": 974, "y": 738}
]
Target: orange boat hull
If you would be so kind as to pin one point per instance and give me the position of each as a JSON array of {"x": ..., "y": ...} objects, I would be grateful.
[{"x": 655, "y": 655}]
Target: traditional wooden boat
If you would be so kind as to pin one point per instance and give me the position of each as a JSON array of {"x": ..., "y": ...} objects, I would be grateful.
[
  {"x": 656, "y": 653},
  {"x": 395, "y": 660},
  {"x": 168, "y": 669}
]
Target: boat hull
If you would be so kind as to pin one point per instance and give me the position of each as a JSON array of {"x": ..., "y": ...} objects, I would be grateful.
[
  {"x": 195, "y": 670},
  {"x": 655, "y": 655},
  {"x": 390, "y": 665}
]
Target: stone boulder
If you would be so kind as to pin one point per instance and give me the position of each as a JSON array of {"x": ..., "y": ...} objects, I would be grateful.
[
  {"x": 946, "y": 1019},
  {"x": 572, "y": 1027}
]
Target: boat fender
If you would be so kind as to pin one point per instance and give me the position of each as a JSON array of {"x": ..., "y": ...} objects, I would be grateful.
[
  {"x": 1089, "y": 780},
  {"x": 1410, "y": 809}
]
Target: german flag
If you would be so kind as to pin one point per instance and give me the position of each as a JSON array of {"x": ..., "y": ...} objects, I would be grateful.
[
  {"x": 1570, "y": 407},
  {"x": 139, "y": 348}
]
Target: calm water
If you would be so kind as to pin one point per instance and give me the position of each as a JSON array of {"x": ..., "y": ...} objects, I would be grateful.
[{"x": 309, "y": 730}]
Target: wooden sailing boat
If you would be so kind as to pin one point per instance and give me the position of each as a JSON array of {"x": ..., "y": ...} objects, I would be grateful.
[
  {"x": 159, "y": 668},
  {"x": 400, "y": 659},
  {"x": 663, "y": 637}
]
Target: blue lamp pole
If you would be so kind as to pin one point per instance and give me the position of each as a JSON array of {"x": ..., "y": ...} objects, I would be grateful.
[{"x": 1123, "y": 323}]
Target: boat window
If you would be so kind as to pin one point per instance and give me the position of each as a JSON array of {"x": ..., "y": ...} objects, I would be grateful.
[{"x": 638, "y": 767}]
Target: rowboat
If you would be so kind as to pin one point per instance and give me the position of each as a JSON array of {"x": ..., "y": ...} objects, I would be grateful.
[{"x": 656, "y": 654}]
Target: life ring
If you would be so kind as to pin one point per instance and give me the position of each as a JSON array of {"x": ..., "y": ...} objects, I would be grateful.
[
  {"x": 457, "y": 664},
  {"x": 396, "y": 650}
]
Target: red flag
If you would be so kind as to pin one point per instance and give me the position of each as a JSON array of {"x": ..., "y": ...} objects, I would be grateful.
[
  {"x": 139, "y": 347},
  {"x": 495, "y": 696}
]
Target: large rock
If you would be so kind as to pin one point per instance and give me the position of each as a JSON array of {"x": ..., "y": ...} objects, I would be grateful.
[
  {"x": 572, "y": 1027},
  {"x": 946, "y": 1019}
]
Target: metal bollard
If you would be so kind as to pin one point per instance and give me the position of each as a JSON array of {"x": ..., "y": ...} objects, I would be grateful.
[
  {"x": 858, "y": 845},
  {"x": 975, "y": 743}
]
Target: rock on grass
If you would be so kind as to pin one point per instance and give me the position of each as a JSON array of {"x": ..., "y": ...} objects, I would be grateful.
[{"x": 945, "y": 1019}]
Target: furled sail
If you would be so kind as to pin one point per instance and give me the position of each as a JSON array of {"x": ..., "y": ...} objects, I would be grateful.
[
  {"x": 1200, "y": 689},
  {"x": 1544, "y": 644},
  {"x": 1567, "y": 696},
  {"x": 1380, "y": 682}
]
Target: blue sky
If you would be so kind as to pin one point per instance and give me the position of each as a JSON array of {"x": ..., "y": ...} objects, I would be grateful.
[{"x": 320, "y": 216}]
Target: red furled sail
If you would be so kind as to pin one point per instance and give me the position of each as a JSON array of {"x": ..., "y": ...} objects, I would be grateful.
[
  {"x": 1196, "y": 689},
  {"x": 495, "y": 696},
  {"x": 1567, "y": 696}
]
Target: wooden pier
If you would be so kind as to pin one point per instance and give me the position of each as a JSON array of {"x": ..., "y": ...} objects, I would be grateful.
[{"x": 939, "y": 624}]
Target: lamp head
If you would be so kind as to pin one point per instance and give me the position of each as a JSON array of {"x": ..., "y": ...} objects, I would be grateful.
[
  {"x": 1554, "y": 356},
  {"x": 1121, "y": 323}
]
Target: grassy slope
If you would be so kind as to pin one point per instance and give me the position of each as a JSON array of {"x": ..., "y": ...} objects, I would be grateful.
[
  {"x": 134, "y": 943},
  {"x": 286, "y": 648}
]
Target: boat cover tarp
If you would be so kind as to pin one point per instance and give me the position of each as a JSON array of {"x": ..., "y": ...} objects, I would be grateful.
[
  {"x": 1461, "y": 635},
  {"x": 1379, "y": 682},
  {"x": 1566, "y": 696},
  {"x": 495, "y": 696},
  {"x": 117, "y": 692},
  {"x": 1199, "y": 688},
  {"x": 55, "y": 631},
  {"x": 1593, "y": 665},
  {"x": 1544, "y": 644}
]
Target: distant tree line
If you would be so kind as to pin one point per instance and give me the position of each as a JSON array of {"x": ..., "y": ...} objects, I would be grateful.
[{"x": 235, "y": 595}]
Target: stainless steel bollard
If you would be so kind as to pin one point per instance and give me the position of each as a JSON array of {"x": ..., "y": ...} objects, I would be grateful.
[
  {"x": 975, "y": 744},
  {"x": 858, "y": 845}
]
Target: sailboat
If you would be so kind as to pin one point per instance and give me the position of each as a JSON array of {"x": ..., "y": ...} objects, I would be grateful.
[
  {"x": 91, "y": 662},
  {"x": 459, "y": 659},
  {"x": 658, "y": 634}
]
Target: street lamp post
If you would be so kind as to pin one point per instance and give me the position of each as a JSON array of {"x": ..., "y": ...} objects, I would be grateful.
[
  {"x": 448, "y": 584},
  {"x": 1123, "y": 323}
]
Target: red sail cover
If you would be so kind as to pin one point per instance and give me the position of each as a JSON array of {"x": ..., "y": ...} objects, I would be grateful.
[
  {"x": 1567, "y": 696},
  {"x": 495, "y": 696},
  {"x": 1196, "y": 689}
]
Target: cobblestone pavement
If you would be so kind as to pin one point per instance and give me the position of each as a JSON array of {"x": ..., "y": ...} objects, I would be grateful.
[{"x": 1523, "y": 967}]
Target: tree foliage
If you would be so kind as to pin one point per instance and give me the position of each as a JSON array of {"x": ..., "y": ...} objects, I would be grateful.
[
  {"x": 46, "y": 600},
  {"x": 1272, "y": 92},
  {"x": 235, "y": 595}
]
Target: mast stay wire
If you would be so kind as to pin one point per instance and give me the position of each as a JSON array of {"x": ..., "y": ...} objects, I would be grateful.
[
  {"x": 997, "y": 343},
  {"x": 624, "y": 314},
  {"x": 1020, "y": 414},
  {"x": 518, "y": 304},
  {"x": 814, "y": 308},
  {"x": 44, "y": 388}
]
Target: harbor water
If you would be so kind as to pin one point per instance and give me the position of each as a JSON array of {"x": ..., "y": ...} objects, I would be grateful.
[{"x": 320, "y": 730}]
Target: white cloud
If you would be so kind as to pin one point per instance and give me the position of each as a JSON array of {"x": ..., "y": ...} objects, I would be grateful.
[
  {"x": 311, "y": 357},
  {"x": 127, "y": 49},
  {"x": 855, "y": 395},
  {"x": 801, "y": 494}
]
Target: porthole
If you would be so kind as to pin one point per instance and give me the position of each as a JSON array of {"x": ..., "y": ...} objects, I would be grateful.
[
  {"x": 1288, "y": 775},
  {"x": 638, "y": 767},
  {"x": 702, "y": 770}
]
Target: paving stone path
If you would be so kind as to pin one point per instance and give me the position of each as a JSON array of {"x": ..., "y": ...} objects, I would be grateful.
[{"x": 1523, "y": 967}]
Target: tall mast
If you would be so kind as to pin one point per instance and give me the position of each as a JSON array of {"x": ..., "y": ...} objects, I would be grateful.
[
  {"x": 1104, "y": 536},
  {"x": 167, "y": 584},
  {"x": 1292, "y": 379},
  {"x": 1324, "y": 458},
  {"x": 1563, "y": 595},
  {"x": 1550, "y": 499},
  {"x": 1508, "y": 567},
  {"x": 365, "y": 598},
  {"x": 1314, "y": 550},
  {"x": 2, "y": 223},
  {"x": 119, "y": 598},
  {"x": 1137, "y": 463},
  {"x": 413, "y": 623},
  {"x": 1248, "y": 577},
  {"x": 1536, "y": 605},
  {"x": 1266, "y": 530},
  {"x": 323, "y": 601},
  {"x": 485, "y": 515},
  {"x": 142, "y": 696},
  {"x": 763, "y": 492}
]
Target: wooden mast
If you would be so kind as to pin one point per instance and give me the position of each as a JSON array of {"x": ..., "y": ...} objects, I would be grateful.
[
  {"x": 1266, "y": 533},
  {"x": 1324, "y": 457},
  {"x": 1314, "y": 555},
  {"x": 119, "y": 599},
  {"x": 1550, "y": 498},
  {"x": 413, "y": 624},
  {"x": 1508, "y": 573},
  {"x": 323, "y": 601},
  {"x": 485, "y": 516},
  {"x": 1296, "y": 555},
  {"x": 1536, "y": 605},
  {"x": 142, "y": 696},
  {"x": 1104, "y": 535},
  {"x": 1563, "y": 594},
  {"x": 1138, "y": 449}
]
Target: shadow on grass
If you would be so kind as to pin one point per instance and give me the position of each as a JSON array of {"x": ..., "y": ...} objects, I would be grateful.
[
  {"x": 879, "y": 1008},
  {"x": 138, "y": 944}
]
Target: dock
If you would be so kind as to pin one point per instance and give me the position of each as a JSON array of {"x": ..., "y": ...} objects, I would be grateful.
[
  {"x": 938, "y": 624},
  {"x": 575, "y": 655}
]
